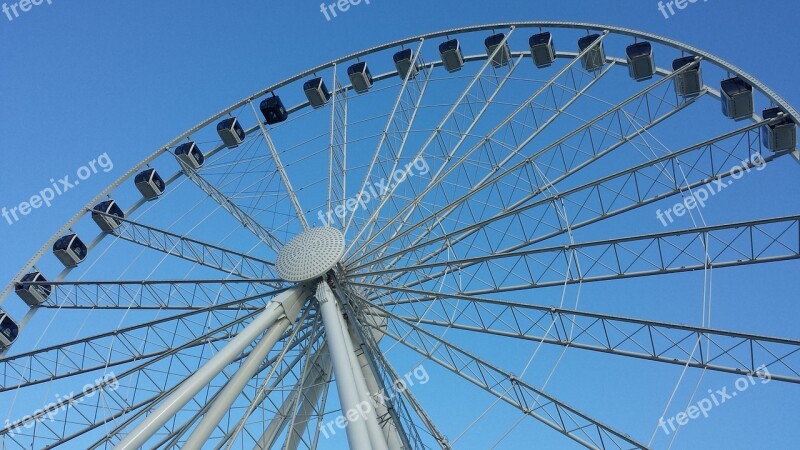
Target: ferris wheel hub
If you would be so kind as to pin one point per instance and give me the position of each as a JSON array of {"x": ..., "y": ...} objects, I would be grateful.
[{"x": 310, "y": 254}]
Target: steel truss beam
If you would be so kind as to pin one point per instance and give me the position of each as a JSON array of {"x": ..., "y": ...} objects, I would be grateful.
[
  {"x": 620, "y": 192},
  {"x": 105, "y": 402},
  {"x": 281, "y": 171},
  {"x": 719, "y": 246},
  {"x": 199, "y": 252},
  {"x": 705, "y": 348},
  {"x": 530, "y": 400},
  {"x": 151, "y": 294},
  {"x": 398, "y": 127},
  {"x": 109, "y": 349},
  {"x": 520, "y": 122},
  {"x": 238, "y": 213},
  {"x": 566, "y": 150},
  {"x": 450, "y": 124},
  {"x": 337, "y": 150}
]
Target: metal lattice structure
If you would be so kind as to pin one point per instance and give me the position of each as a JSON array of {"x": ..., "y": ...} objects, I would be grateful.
[{"x": 275, "y": 292}]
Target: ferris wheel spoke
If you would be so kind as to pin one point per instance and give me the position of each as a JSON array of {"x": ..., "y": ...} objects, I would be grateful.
[
  {"x": 284, "y": 178},
  {"x": 706, "y": 348},
  {"x": 400, "y": 121},
  {"x": 719, "y": 246},
  {"x": 155, "y": 294},
  {"x": 606, "y": 124},
  {"x": 563, "y": 418},
  {"x": 661, "y": 178},
  {"x": 196, "y": 251},
  {"x": 521, "y": 120},
  {"x": 118, "y": 346},
  {"x": 337, "y": 149},
  {"x": 450, "y": 124},
  {"x": 265, "y": 235}
]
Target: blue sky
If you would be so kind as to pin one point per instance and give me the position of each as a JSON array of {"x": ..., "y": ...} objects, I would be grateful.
[{"x": 80, "y": 79}]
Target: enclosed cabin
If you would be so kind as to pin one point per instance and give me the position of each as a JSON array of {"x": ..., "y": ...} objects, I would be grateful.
[
  {"x": 189, "y": 154},
  {"x": 452, "y": 57},
  {"x": 273, "y": 110},
  {"x": 641, "y": 64},
  {"x": 594, "y": 59},
  {"x": 107, "y": 215},
  {"x": 316, "y": 92},
  {"x": 70, "y": 250},
  {"x": 8, "y": 330},
  {"x": 231, "y": 132},
  {"x": 737, "y": 98},
  {"x": 543, "y": 51},
  {"x": 360, "y": 77},
  {"x": 150, "y": 184},
  {"x": 495, "y": 42},
  {"x": 689, "y": 83},
  {"x": 781, "y": 135},
  {"x": 33, "y": 294},
  {"x": 404, "y": 62}
]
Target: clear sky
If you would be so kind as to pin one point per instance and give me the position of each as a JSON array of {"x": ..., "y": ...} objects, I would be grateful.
[{"x": 80, "y": 79}]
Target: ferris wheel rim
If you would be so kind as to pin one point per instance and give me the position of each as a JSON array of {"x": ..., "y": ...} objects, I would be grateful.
[
  {"x": 298, "y": 77},
  {"x": 766, "y": 91}
]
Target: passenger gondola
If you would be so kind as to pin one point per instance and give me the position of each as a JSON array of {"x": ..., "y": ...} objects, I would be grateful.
[
  {"x": 542, "y": 50},
  {"x": 503, "y": 56},
  {"x": 8, "y": 330},
  {"x": 690, "y": 82},
  {"x": 403, "y": 62},
  {"x": 273, "y": 110},
  {"x": 781, "y": 135},
  {"x": 594, "y": 59},
  {"x": 360, "y": 77},
  {"x": 70, "y": 250},
  {"x": 452, "y": 57},
  {"x": 641, "y": 64},
  {"x": 33, "y": 295},
  {"x": 190, "y": 155},
  {"x": 231, "y": 132},
  {"x": 106, "y": 215},
  {"x": 737, "y": 98},
  {"x": 316, "y": 92},
  {"x": 150, "y": 184}
]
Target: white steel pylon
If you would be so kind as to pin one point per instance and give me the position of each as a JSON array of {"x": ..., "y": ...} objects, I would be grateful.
[
  {"x": 363, "y": 429},
  {"x": 285, "y": 305}
]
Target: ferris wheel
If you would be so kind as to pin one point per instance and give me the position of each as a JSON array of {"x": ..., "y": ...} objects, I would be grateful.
[{"x": 343, "y": 257}]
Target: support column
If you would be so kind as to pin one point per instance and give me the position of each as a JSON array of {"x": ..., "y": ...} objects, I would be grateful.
[
  {"x": 373, "y": 425},
  {"x": 287, "y": 304},
  {"x": 358, "y": 430},
  {"x": 234, "y": 387}
]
